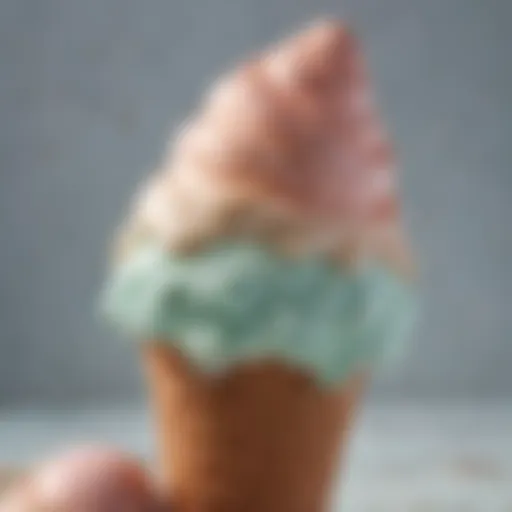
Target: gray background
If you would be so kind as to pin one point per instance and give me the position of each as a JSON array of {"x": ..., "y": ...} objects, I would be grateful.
[{"x": 89, "y": 91}]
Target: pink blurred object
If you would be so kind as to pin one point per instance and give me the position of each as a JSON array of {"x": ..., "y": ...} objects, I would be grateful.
[{"x": 88, "y": 479}]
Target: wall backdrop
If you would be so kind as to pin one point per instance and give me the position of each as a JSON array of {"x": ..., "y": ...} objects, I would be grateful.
[{"x": 89, "y": 92}]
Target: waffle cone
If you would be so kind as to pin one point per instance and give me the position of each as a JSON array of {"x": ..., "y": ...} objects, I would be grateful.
[{"x": 261, "y": 437}]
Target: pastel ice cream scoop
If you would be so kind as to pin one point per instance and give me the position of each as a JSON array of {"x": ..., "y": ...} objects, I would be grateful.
[
  {"x": 266, "y": 256},
  {"x": 287, "y": 149}
]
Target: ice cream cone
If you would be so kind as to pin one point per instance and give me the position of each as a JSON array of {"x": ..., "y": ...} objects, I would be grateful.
[
  {"x": 263, "y": 436},
  {"x": 266, "y": 258}
]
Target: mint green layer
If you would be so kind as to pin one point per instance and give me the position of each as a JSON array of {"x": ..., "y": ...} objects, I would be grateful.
[{"x": 239, "y": 302}]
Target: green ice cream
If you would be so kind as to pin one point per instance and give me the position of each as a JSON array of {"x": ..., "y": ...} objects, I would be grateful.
[{"x": 239, "y": 302}]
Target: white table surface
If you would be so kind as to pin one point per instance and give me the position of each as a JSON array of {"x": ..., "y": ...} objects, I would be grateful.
[{"x": 450, "y": 458}]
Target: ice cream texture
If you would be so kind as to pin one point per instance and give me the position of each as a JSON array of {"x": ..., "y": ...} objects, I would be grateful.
[
  {"x": 238, "y": 302},
  {"x": 271, "y": 230}
]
